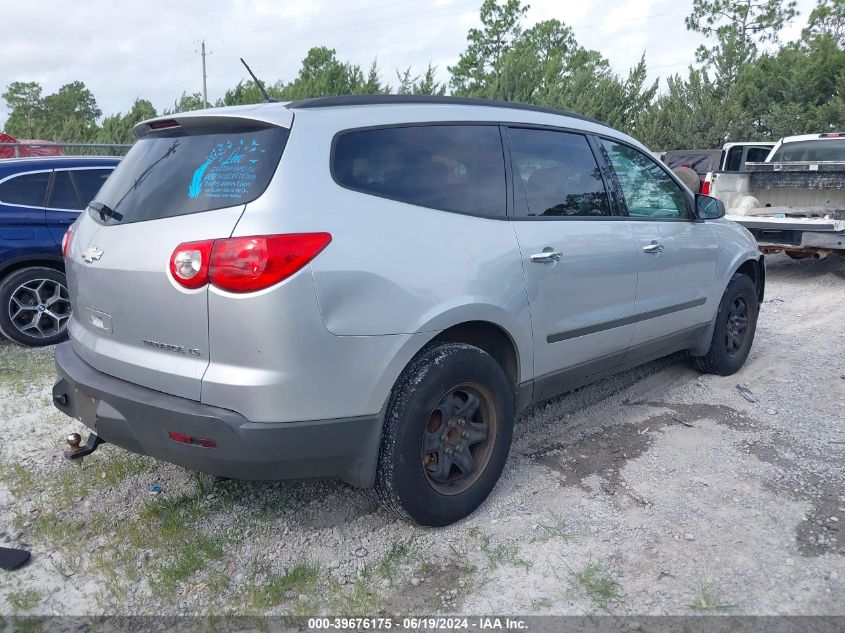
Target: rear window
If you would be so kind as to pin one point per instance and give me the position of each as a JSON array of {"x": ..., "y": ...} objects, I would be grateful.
[
  {"x": 757, "y": 154},
  {"x": 450, "y": 167},
  {"x": 191, "y": 171},
  {"x": 811, "y": 151}
]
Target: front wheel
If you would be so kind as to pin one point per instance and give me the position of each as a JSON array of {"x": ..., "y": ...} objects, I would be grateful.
[
  {"x": 733, "y": 334},
  {"x": 446, "y": 435},
  {"x": 34, "y": 306}
]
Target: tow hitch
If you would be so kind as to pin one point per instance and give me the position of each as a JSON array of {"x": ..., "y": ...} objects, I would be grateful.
[{"x": 75, "y": 451}]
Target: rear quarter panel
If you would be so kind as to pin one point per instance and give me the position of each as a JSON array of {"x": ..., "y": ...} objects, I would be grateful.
[{"x": 391, "y": 268}]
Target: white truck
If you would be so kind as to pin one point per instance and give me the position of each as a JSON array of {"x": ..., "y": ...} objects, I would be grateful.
[
  {"x": 794, "y": 201},
  {"x": 704, "y": 162}
]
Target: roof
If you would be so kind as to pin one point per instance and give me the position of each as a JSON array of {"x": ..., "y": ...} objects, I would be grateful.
[
  {"x": 13, "y": 166},
  {"x": 749, "y": 144},
  {"x": 364, "y": 100},
  {"x": 809, "y": 137},
  {"x": 46, "y": 162}
]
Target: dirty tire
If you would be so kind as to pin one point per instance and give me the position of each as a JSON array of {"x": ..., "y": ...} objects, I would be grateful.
[
  {"x": 15, "y": 286},
  {"x": 719, "y": 360},
  {"x": 404, "y": 479}
]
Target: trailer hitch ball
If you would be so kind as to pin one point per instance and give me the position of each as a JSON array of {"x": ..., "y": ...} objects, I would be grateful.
[
  {"x": 76, "y": 450},
  {"x": 73, "y": 441}
]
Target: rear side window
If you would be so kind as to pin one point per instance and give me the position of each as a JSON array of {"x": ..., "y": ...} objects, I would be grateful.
[
  {"x": 557, "y": 173},
  {"x": 191, "y": 171},
  {"x": 28, "y": 190},
  {"x": 450, "y": 167},
  {"x": 820, "y": 150},
  {"x": 88, "y": 182}
]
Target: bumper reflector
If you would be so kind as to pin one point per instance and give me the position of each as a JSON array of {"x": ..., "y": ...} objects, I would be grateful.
[{"x": 202, "y": 442}]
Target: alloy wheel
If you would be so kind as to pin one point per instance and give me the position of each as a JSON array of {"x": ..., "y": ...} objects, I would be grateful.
[
  {"x": 737, "y": 326},
  {"x": 40, "y": 308}
]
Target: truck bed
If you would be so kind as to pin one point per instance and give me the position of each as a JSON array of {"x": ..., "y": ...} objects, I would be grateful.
[{"x": 797, "y": 207}]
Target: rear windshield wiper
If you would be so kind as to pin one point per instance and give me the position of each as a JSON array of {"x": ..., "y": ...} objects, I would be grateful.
[{"x": 106, "y": 211}]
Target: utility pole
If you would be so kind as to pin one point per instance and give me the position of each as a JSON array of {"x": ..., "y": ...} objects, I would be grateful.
[{"x": 204, "y": 77}]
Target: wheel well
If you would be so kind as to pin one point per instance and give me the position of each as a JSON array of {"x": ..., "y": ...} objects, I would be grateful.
[
  {"x": 754, "y": 270},
  {"x": 28, "y": 263},
  {"x": 489, "y": 337}
]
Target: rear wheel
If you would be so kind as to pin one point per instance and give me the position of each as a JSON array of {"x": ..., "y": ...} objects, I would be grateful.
[
  {"x": 446, "y": 435},
  {"x": 34, "y": 306},
  {"x": 733, "y": 334}
]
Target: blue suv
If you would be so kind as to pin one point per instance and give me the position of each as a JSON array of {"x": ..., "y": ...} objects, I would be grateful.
[{"x": 39, "y": 199}]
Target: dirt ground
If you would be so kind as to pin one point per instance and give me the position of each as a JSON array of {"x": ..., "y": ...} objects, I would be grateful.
[{"x": 658, "y": 491}]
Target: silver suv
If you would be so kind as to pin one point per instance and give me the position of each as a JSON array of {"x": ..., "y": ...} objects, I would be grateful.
[{"x": 372, "y": 288}]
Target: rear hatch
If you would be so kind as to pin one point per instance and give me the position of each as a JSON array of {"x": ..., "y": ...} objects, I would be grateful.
[{"x": 186, "y": 179}]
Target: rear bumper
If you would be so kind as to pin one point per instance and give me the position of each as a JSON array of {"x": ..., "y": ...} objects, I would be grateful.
[
  {"x": 139, "y": 419},
  {"x": 794, "y": 233}
]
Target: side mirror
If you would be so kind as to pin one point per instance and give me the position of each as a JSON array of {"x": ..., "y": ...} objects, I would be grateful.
[{"x": 707, "y": 208}]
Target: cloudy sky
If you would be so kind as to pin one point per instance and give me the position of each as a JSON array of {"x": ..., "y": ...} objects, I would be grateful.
[{"x": 149, "y": 49}]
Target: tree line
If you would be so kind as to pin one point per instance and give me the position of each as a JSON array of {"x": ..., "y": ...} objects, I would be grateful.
[{"x": 744, "y": 85}]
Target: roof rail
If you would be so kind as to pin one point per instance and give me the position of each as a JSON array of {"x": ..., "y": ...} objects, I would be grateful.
[{"x": 361, "y": 100}]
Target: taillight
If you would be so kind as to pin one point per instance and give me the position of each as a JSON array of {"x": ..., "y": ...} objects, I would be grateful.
[
  {"x": 66, "y": 239},
  {"x": 705, "y": 188},
  {"x": 245, "y": 264},
  {"x": 189, "y": 263}
]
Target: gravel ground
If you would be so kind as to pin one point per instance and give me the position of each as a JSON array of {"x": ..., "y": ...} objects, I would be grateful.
[{"x": 658, "y": 491}]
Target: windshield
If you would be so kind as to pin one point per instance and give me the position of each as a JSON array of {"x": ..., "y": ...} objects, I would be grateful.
[
  {"x": 188, "y": 172},
  {"x": 817, "y": 151}
]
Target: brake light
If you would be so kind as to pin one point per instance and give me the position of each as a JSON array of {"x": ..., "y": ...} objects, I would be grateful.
[
  {"x": 66, "y": 239},
  {"x": 163, "y": 125},
  {"x": 832, "y": 135},
  {"x": 245, "y": 264},
  {"x": 705, "y": 188}
]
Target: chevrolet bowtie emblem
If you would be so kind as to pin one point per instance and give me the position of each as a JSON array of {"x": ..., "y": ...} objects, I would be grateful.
[{"x": 91, "y": 254}]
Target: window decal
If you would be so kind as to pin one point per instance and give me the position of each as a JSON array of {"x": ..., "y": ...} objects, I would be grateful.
[{"x": 228, "y": 172}]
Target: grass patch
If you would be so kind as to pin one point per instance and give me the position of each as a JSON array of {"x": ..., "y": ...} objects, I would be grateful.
[
  {"x": 189, "y": 558},
  {"x": 706, "y": 601},
  {"x": 23, "y": 601},
  {"x": 57, "y": 531},
  {"x": 397, "y": 554},
  {"x": 300, "y": 579},
  {"x": 75, "y": 481},
  {"x": 498, "y": 554},
  {"x": 598, "y": 584},
  {"x": 363, "y": 600},
  {"x": 22, "y": 367},
  {"x": 18, "y": 480},
  {"x": 551, "y": 528},
  {"x": 169, "y": 524},
  {"x": 541, "y": 603}
]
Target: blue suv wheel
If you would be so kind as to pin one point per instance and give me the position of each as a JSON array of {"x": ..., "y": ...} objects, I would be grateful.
[{"x": 35, "y": 306}]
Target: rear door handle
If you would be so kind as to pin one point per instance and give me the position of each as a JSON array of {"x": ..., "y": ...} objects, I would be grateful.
[
  {"x": 548, "y": 256},
  {"x": 653, "y": 248}
]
